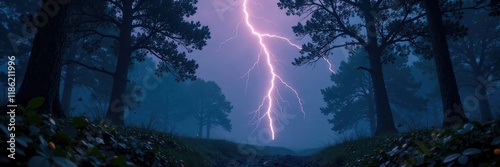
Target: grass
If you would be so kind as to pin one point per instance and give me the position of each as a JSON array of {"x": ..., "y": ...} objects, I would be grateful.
[
  {"x": 41, "y": 140},
  {"x": 348, "y": 152},
  {"x": 44, "y": 141},
  {"x": 474, "y": 144}
]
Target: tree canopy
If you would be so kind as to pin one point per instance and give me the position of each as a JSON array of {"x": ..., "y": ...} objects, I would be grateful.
[
  {"x": 350, "y": 99},
  {"x": 208, "y": 106},
  {"x": 143, "y": 28}
]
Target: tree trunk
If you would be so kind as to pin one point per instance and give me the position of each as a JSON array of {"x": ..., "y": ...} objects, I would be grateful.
[
  {"x": 208, "y": 130},
  {"x": 480, "y": 91},
  {"x": 452, "y": 106},
  {"x": 200, "y": 128},
  {"x": 117, "y": 106},
  {"x": 385, "y": 121},
  {"x": 69, "y": 81},
  {"x": 371, "y": 113},
  {"x": 69, "y": 78},
  {"x": 484, "y": 104},
  {"x": 43, "y": 74}
]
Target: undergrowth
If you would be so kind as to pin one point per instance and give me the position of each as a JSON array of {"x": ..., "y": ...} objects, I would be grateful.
[{"x": 474, "y": 144}]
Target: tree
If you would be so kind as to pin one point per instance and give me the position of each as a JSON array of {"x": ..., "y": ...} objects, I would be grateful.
[
  {"x": 163, "y": 101},
  {"x": 17, "y": 28},
  {"x": 209, "y": 106},
  {"x": 144, "y": 27},
  {"x": 452, "y": 106},
  {"x": 494, "y": 8},
  {"x": 383, "y": 26},
  {"x": 351, "y": 98},
  {"x": 44, "y": 67},
  {"x": 77, "y": 73},
  {"x": 475, "y": 57},
  {"x": 17, "y": 32}
]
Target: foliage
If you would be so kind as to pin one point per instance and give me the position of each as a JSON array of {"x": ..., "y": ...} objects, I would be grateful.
[
  {"x": 476, "y": 60},
  {"x": 476, "y": 53},
  {"x": 11, "y": 14},
  {"x": 157, "y": 28},
  {"x": 44, "y": 141},
  {"x": 161, "y": 105},
  {"x": 475, "y": 144},
  {"x": 382, "y": 28},
  {"x": 347, "y": 99},
  {"x": 330, "y": 25},
  {"x": 87, "y": 68},
  {"x": 452, "y": 13},
  {"x": 348, "y": 152},
  {"x": 16, "y": 38},
  {"x": 351, "y": 98},
  {"x": 471, "y": 145},
  {"x": 208, "y": 105}
]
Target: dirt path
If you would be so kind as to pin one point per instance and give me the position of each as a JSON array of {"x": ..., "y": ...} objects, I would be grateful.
[{"x": 272, "y": 161}]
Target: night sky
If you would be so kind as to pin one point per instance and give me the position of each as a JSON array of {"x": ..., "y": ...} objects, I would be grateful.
[{"x": 227, "y": 63}]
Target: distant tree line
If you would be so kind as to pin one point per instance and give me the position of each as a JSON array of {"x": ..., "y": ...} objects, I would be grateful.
[{"x": 198, "y": 102}]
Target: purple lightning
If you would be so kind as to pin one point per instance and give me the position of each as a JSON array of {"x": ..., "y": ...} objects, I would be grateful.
[
  {"x": 330, "y": 67},
  {"x": 270, "y": 100},
  {"x": 270, "y": 96}
]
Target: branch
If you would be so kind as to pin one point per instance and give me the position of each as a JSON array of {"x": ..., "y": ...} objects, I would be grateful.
[
  {"x": 89, "y": 67},
  {"x": 95, "y": 32},
  {"x": 342, "y": 25},
  {"x": 351, "y": 3},
  {"x": 391, "y": 37},
  {"x": 138, "y": 44},
  {"x": 385, "y": 60},
  {"x": 138, "y": 6},
  {"x": 115, "y": 4},
  {"x": 364, "y": 68},
  {"x": 490, "y": 68},
  {"x": 103, "y": 17}
]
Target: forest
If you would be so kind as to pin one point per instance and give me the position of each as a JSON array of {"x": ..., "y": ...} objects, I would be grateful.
[{"x": 129, "y": 83}]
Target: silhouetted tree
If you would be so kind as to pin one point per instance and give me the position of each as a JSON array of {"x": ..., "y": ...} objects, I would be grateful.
[
  {"x": 475, "y": 57},
  {"x": 86, "y": 68},
  {"x": 452, "y": 106},
  {"x": 160, "y": 96},
  {"x": 209, "y": 106},
  {"x": 17, "y": 31},
  {"x": 351, "y": 98},
  {"x": 383, "y": 25},
  {"x": 494, "y": 8},
  {"x": 144, "y": 27},
  {"x": 424, "y": 71},
  {"x": 44, "y": 68},
  {"x": 17, "y": 27}
]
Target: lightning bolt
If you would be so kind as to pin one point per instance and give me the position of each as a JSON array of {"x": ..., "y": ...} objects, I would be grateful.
[
  {"x": 275, "y": 78},
  {"x": 270, "y": 101},
  {"x": 330, "y": 67}
]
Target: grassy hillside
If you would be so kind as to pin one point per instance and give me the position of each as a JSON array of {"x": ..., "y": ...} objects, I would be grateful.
[
  {"x": 474, "y": 144},
  {"x": 41, "y": 141}
]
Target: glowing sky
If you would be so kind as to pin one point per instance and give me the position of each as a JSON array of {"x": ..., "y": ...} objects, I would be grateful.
[{"x": 227, "y": 63}]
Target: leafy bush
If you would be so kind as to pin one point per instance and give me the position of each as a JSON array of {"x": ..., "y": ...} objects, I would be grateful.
[
  {"x": 474, "y": 144},
  {"x": 44, "y": 141}
]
